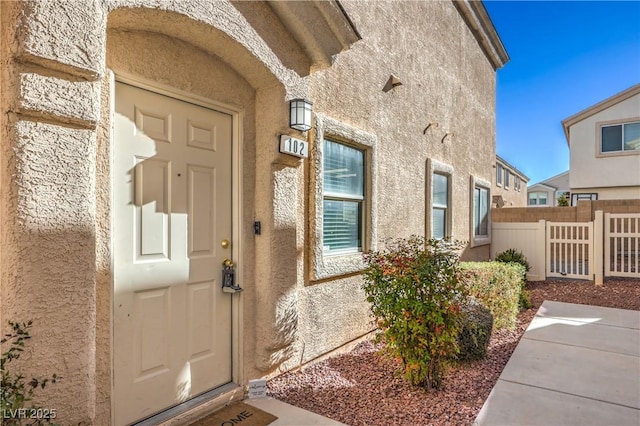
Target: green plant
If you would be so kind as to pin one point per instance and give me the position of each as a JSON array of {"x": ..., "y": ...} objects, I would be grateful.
[
  {"x": 497, "y": 286},
  {"x": 15, "y": 392},
  {"x": 475, "y": 330},
  {"x": 563, "y": 200},
  {"x": 516, "y": 256},
  {"x": 415, "y": 295},
  {"x": 513, "y": 256}
]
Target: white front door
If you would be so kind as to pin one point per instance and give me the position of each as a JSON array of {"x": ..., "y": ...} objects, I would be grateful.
[{"x": 171, "y": 209}]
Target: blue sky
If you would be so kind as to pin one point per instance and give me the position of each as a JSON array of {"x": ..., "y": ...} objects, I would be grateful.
[{"x": 565, "y": 57}]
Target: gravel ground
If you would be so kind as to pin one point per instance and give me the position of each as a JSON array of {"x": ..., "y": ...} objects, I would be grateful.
[{"x": 362, "y": 388}]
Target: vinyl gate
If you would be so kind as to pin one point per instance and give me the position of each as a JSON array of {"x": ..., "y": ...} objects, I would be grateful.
[
  {"x": 621, "y": 245},
  {"x": 609, "y": 246},
  {"x": 570, "y": 250}
]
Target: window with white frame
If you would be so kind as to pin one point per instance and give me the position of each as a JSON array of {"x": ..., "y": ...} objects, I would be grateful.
[
  {"x": 499, "y": 171},
  {"x": 480, "y": 212},
  {"x": 537, "y": 198},
  {"x": 624, "y": 137},
  {"x": 343, "y": 197},
  {"x": 516, "y": 183},
  {"x": 439, "y": 206},
  {"x": 506, "y": 178}
]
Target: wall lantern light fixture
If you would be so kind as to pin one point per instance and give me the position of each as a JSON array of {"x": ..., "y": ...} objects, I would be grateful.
[{"x": 300, "y": 114}]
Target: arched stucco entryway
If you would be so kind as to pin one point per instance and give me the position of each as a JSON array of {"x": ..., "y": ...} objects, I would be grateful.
[
  {"x": 56, "y": 150},
  {"x": 164, "y": 49}
]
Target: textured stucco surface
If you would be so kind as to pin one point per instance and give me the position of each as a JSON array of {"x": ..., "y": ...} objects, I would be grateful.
[
  {"x": 510, "y": 195},
  {"x": 64, "y": 36},
  {"x": 58, "y": 61},
  {"x": 75, "y": 101},
  {"x": 49, "y": 272},
  {"x": 446, "y": 80}
]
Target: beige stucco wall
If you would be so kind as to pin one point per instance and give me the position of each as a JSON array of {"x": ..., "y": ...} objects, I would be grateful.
[
  {"x": 511, "y": 196},
  {"x": 446, "y": 79},
  {"x": 58, "y": 59},
  {"x": 612, "y": 169}
]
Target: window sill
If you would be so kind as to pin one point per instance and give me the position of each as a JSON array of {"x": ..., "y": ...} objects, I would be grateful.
[
  {"x": 332, "y": 265},
  {"x": 481, "y": 241}
]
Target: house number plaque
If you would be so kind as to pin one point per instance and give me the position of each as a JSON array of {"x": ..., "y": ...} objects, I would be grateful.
[{"x": 293, "y": 146}]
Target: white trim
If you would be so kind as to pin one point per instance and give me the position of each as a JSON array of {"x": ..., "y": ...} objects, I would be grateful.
[
  {"x": 237, "y": 114},
  {"x": 172, "y": 92},
  {"x": 112, "y": 113}
]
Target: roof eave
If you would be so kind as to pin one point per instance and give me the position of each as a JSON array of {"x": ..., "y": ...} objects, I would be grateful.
[
  {"x": 477, "y": 19},
  {"x": 322, "y": 28},
  {"x": 594, "y": 109}
]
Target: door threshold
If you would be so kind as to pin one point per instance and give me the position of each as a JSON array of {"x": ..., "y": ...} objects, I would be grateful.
[{"x": 196, "y": 408}]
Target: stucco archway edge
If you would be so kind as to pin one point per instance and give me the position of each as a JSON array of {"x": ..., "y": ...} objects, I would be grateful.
[
  {"x": 70, "y": 37},
  {"x": 216, "y": 28}
]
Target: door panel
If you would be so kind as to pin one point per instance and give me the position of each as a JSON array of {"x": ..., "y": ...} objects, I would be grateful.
[{"x": 171, "y": 207}]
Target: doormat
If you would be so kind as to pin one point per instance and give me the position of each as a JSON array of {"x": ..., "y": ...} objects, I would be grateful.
[{"x": 237, "y": 414}]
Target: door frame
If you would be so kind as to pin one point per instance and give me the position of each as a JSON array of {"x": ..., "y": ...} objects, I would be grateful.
[{"x": 237, "y": 114}]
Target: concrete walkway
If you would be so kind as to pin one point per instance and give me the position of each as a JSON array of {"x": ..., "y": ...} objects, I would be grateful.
[{"x": 575, "y": 365}]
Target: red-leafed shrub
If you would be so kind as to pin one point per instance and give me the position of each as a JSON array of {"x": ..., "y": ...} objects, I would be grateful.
[{"x": 416, "y": 294}]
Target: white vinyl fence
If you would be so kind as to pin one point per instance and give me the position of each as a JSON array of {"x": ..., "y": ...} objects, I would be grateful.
[
  {"x": 622, "y": 245},
  {"x": 526, "y": 237},
  {"x": 569, "y": 250},
  {"x": 608, "y": 246}
]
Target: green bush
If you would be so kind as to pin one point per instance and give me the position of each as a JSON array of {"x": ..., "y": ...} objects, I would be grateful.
[
  {"x": 513, "y": 256},
  {"x": 16, "y": 394},
  {"x": 516, "y": 256},
  {"x": 475, "y": 330},
  {"x": 497, "y": 285},
  {"x": 415, "y": 294}
]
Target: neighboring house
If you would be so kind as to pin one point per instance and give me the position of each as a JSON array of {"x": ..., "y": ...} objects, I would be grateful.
[
  {"x": 604, "y": 145},
  {"x": 142, "y": 166},
  {"x": 547, "y": 192},
  {"x": 509, "y": 185}
]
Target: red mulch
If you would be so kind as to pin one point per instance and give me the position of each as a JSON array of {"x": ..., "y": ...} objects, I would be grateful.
[{"x": 362, "y": 388}]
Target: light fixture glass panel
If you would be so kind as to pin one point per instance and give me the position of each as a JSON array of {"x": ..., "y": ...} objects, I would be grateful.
[{"x": 300, "y": 114}]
